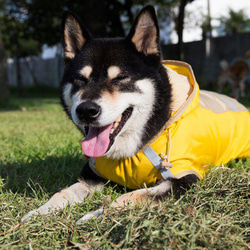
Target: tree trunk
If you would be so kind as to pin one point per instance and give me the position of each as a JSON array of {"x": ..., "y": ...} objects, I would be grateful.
[
  {"x": 4, "y": 91},
  {"x": 180, "y": 27}
]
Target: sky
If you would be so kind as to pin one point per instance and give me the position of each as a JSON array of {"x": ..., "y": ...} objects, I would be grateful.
[{"x": 218, "y": 8}]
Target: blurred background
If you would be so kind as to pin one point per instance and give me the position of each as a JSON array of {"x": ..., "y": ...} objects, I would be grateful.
[{"x": 204, "y": 33}]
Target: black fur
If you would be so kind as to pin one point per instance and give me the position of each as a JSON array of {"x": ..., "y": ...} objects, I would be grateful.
[
  {"x": 87, "y": 174},
  {"x": 180, "y": 186}
]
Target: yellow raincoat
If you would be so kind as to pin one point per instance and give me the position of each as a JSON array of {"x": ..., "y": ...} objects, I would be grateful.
[{"x": 209, "y": 129}]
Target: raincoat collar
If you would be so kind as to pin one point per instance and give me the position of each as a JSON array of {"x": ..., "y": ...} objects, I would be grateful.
[{"x": 191, "y": 103}]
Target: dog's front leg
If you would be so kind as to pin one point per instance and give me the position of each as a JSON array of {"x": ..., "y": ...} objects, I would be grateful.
[
  {"x": 153, "y": 195},
  {"x": 176, "y": 186},
  {"x": 74, "y": 194},
  {"x": 132, "y": 198},
  {"x": 142, "y": 195},
  {"x": 156, "y": 193}
]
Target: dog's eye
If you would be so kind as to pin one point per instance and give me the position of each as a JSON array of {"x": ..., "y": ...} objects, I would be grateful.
[
  {"x": 80, "y": 80},
  {"x": 121, "y": 78}
]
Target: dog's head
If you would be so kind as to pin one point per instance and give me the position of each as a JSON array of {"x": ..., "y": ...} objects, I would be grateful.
[{"x": 115, "y": 90}]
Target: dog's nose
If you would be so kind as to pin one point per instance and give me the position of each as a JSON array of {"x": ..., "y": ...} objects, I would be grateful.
[{"x": 88, "y": 111}]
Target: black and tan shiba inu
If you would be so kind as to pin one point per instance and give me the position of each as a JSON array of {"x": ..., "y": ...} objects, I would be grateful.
[{"x": 146, "y": 123}]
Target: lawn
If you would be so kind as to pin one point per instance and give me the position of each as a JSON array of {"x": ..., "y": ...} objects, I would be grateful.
[{"x": 41, "y": 154}]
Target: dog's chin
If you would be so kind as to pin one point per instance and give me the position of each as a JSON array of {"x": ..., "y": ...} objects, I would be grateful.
[
  {"x": 124, "y": 146},
  {"x": 128, "y": 142}
]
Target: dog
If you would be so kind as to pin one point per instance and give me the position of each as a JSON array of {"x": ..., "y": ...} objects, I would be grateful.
[
  {"x": 235, "y": 75},
  {"x": 146, "y": 124}
]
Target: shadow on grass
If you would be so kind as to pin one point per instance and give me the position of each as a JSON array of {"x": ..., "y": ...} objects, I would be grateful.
[
  {"x": 50, "y": 174},
  {"x": 32, "y": 104},
  {"x": 36, "y": 91},
  {"x": 33, "y": 98}
]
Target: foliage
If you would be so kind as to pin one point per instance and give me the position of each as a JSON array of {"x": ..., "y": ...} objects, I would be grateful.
[
  {"x": 101, "y": 17},
  {"x": 41, "y": 153},
  {"x": 235, "y": 22},
  {"x": 17, "y": 38}
]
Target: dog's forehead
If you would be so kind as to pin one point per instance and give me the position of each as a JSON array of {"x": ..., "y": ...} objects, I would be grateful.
[{"x": 106, "y": 55}]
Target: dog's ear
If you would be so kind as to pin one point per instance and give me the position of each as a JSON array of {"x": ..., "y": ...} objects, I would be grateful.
[
  {"x": 144, "y": 32},
  {"x": 74, "y": 35}
]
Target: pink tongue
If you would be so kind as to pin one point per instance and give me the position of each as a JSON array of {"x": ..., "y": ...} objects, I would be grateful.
[{"x": 97, "y": 141}]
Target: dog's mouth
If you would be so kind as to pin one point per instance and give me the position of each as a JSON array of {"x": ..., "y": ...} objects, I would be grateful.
[{"x": 100, "y": 139}]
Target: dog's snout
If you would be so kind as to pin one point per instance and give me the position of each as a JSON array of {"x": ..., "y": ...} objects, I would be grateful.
[{"x": 88, "y": 111}]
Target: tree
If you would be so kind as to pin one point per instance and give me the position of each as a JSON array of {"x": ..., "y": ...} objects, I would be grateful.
[
  {"x": 106, "y": 18},
  {"x": 180, "y": 26},
  {"x": 236, "y": 22},
  {"x": 174, "y": 10},
  {"x": 102, "y": 18},
  {"x": 16, "y": 35}
]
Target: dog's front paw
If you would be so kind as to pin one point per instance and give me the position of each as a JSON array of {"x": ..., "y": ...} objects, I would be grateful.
[
  {"x": 129, "y": 199},
  {"x": 90, "y": 215},
  {"x": 28, "y": 216},
  {"x": 43, "y": 210}
]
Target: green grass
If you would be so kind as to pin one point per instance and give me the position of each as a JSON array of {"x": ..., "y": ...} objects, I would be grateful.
[{"x": 41, "y": 153}]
